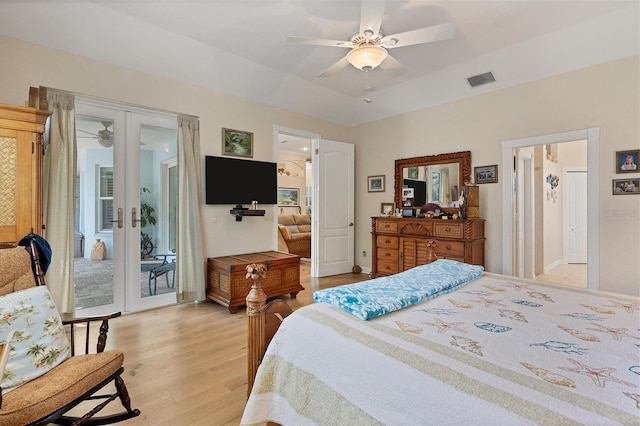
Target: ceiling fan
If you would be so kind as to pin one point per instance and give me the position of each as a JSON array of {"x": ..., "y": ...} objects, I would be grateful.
[
  {"x": 104, "y": 137},
  {"x": 368, "y": 47}
]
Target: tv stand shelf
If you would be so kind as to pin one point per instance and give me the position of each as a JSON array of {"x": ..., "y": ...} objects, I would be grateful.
[{"x": 239, "y": 212}]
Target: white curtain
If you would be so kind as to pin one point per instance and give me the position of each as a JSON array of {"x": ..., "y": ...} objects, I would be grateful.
[
  {"x": 445, "y": 189},
  {"x": 190, "y": 271},
  {"x": 58, "y": 195}
]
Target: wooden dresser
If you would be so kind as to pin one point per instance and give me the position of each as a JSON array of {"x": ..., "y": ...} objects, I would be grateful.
[
  {"x": 399, "y": 244},
  {"x": 227, "y": 283}
]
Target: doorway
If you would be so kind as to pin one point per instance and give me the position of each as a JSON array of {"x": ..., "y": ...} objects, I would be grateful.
[
  {"x": 126, "y": 258},
  {"x": 329, "y": 198},
  {"x": 546, "y": 187}
]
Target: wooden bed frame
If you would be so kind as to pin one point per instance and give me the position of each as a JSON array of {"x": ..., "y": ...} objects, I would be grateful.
[{"x": 265, "y": 318}]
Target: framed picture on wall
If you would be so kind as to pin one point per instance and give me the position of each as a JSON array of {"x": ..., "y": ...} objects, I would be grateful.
[
  {"x": 288, "y": 197},
  {"x": 486, "y": 174},
  {"x": 627, "y": 161},
  {"x": 375, "y": 183},
  {"x": 237, "y": 142},
  {"x": 626, "y": 186}
]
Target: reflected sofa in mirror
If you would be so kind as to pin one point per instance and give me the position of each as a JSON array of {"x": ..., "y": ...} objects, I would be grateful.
[{"x": 433, "y": 178}]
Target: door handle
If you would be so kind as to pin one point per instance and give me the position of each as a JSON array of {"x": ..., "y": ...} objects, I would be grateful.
[
  {"x": 120, "y": 218},
  {"x": 351, "y": 224},
  {"x": 134, "y": 217}
]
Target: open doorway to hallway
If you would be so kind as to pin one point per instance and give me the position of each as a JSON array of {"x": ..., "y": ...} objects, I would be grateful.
[
  {"x": 295, "y": 196},
  {"x": 550, "y": 226}
]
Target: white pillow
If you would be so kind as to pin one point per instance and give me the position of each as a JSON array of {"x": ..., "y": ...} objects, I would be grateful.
[{"x": 31, "y": 325}]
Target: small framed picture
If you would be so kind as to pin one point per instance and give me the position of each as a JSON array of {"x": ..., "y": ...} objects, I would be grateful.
[
  {"x": 627, "y": 161},
  {"x": 413, "y": 173},
  {"x": 407, "y": 212},
  {"x": 407, "y": 193},
  {"x": 237, "y": 142},
  {"x": 375, "y": 183},
  {"x": 486, "y": 174},
  {"x": 626, "y": 186},
  {"x": 288, "y": 197},
  {"x": 387, "y": 209}
]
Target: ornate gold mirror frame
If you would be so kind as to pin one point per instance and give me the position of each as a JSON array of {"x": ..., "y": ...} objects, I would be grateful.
[{"x": 463, "y": 159}]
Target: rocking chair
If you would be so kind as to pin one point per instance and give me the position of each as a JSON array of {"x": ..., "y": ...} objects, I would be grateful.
[{"x": 49, "y": 397}]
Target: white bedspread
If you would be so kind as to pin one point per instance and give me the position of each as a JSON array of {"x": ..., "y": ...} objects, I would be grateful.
[{"x": 497, "y": 351}]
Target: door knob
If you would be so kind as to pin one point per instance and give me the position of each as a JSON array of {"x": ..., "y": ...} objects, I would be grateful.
[
  {"x": 120, "y": 219},
  {"x": 134, "y": 217}
]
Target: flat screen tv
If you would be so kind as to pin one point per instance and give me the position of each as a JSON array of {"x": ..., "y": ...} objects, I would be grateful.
[{"x": 238, "y": 181}]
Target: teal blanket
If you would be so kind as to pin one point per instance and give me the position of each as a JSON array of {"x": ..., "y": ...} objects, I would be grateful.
[{"x": 369, "y": 299}]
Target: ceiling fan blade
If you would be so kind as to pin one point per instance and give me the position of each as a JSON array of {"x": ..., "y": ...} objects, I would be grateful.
[
  {"x": 371, "y": 15},
  {"x": 320, "y": 42},
  {"x": 422, "y": 35},
  {"x": 89, "y": 133},
  {"x": 342, "y": 63},
  {"x": 392, "y": 66}
]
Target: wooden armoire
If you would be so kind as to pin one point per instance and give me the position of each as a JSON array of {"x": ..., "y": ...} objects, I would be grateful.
[{"x": 21, "y": 156}]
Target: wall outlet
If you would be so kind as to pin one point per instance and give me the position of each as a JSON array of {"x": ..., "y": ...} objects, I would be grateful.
[
  {"x": 364, "y": 253},
  {"x": 214, "y": 217}
]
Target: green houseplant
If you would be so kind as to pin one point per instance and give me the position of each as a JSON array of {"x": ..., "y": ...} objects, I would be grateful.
[{"x": 147, "y": 217}]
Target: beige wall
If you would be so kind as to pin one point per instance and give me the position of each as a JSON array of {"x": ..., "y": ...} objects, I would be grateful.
[
  {"x": 605, "y": 96},
  {"x": 25, "y": 65}
]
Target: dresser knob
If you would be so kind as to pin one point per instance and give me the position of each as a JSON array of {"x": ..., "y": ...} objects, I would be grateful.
[
  {"x": 387, "y": 241},
  {"x": 448, "y": 247},
  {"x": 447, "y": 229}
]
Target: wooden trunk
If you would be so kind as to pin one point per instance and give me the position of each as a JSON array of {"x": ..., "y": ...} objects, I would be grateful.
[{"x": 227, "y": 285}]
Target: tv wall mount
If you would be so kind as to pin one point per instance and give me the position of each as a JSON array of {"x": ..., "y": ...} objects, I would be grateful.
[{"x": 239, "y": 212}]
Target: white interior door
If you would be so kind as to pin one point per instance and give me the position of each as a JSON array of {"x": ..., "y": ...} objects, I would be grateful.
[
  {"x": 333, "y": 180},
  {"x": 575, "y": 216},
  {"x": 525, "y": 251}
]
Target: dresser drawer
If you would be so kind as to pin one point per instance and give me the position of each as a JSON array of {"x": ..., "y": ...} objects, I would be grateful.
[
  {"x": 448, "y": 229},
  {"x": 385, "y": 241},
  {"x": 387, "y": 227},
  {"x": 450, "y": 249},
  {"x": 387, "y": 254},
  {"x": 387, "y": 267}
]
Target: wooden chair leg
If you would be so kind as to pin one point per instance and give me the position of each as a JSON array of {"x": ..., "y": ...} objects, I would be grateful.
[{"x": 124, "y": 393}]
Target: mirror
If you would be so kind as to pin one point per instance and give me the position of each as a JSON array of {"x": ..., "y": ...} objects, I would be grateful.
[{"x": 432, "y": 178}]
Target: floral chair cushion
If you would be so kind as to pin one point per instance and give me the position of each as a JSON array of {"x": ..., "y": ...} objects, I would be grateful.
[{"x": 31, "y": 325}]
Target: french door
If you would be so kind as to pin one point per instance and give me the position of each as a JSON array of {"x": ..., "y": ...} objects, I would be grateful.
[{"x": 125, "y": 196}]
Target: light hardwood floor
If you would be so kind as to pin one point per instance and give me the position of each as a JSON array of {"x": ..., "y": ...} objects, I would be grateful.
[{"x": 187, "y": 364}]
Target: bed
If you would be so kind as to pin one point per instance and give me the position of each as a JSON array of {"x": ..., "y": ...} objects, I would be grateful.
[{"x": 490, "y": 350}]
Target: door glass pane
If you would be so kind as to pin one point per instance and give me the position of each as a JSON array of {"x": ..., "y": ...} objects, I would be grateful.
[
  {"x": 93, "y": 273},
  {"x": 158, "y": 203}
]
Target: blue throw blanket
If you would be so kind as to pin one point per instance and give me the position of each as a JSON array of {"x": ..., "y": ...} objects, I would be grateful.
[{"x": 369, "y": 299}]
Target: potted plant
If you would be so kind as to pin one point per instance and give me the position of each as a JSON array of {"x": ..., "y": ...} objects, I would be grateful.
[{"x": 147, "y": 217}]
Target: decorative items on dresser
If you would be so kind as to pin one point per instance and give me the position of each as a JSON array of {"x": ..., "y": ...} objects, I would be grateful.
[
  {"x": 21, "y": 130},
  {"x": 227, "y": 283},
  {"x": 401, "y": 243}
]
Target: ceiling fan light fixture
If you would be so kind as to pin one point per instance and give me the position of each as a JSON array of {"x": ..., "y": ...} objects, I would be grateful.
[
  {"x": 105, "y": 136},
  {"x": 367, "y": 56}
]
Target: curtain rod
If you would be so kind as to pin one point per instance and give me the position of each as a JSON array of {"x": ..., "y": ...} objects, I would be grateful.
[{"x": 119, "y": 103}]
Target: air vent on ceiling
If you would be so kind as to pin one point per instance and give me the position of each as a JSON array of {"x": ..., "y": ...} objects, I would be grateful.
[{"x": 480, "y": 79}]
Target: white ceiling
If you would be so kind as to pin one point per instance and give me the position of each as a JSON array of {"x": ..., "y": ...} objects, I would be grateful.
[{"x": 239, "y": 46}]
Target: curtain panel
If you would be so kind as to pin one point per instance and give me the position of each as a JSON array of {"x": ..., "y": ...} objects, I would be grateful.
[
  {"x": 190, "y": 271},
  {"x": 58, "y": 196}
]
